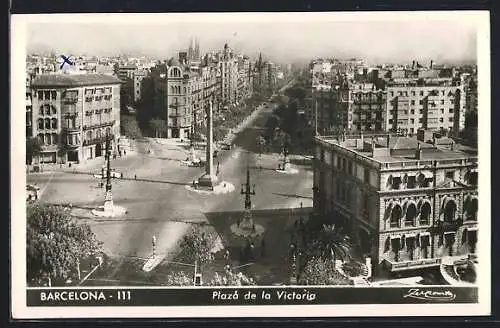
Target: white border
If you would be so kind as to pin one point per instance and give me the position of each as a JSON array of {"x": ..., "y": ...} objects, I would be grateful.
[{"x": 19, "y": 24}]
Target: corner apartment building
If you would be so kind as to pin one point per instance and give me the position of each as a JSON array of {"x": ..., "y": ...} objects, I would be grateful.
[
  {"x": 406, "y": 202},
  {"x": 180, "y": 94},
  {"x": 228, "y": 66},
  {"x": 433, "y": 104},
  {"x": 347, "y": 106},
  {"x": 72, "y": 114},
  {"x": 138, "y": 76}
]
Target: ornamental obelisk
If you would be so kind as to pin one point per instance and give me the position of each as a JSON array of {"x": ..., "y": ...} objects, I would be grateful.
[{"x": 209, "y": 179}]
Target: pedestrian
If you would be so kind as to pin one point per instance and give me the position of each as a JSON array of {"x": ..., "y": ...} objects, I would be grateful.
[
  {"x": 135, "y": 176},
  {"x": 124, "y": 152},
  {"x": 252, "y": 252}
]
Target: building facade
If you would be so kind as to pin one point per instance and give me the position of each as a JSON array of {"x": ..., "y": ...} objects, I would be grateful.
[
  {"x": 72, "y": 114},
  {"x": 181, "y": 93},
  {"x": 434, "y": 104},
  {"x": 228, "y": 66},
  {"x": 406, "y": 202}
]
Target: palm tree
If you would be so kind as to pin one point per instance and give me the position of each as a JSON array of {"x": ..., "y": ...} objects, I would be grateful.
[{"x": 331, "y": 244}]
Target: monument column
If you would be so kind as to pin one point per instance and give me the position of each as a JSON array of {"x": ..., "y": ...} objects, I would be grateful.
[{"x": 209, "y": 179}]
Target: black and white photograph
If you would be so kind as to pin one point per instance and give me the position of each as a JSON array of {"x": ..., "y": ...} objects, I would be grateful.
[{"x": 250, "y": 164}]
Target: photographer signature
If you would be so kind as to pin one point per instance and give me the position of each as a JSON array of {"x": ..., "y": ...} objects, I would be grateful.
[{"x": 430, "y": 295}]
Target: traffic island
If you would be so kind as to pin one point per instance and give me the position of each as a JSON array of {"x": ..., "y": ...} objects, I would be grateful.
[{"x": 220, "y": 188}]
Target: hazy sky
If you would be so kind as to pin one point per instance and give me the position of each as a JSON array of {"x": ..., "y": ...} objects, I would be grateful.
[{"x": 283, "y": 41}]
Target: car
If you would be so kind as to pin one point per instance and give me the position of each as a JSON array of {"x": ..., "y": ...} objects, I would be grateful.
[{"x": 225, "y": 146}]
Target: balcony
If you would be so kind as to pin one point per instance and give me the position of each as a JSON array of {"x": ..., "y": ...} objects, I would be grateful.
[
  {"x": 94, "y": 141},
  {"x": 70, "y": 100},
  {"x": 394, "y": 266},
  {"x": 98, "y": 125},
  {"x": 73, "y": 129},
  {"x": 446, "y": 226}
]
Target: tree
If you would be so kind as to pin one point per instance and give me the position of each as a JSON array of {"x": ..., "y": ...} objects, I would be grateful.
[
  {"x": 56, "y": 244},
  {"x": 199, "y": 245},
  {"x": 159, "y": 126},
  {"x": 231, "y": 279},
  {"x": 178, "y": 279},
  {"x": 33, "y": 149},
  {"x": 330, "y": 244},
  {"x": 129, "y": 127},
  {"x": 319, "y": 271}
]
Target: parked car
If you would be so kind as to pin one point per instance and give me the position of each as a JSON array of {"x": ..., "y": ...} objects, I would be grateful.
[{"x": 225, "y": 146}]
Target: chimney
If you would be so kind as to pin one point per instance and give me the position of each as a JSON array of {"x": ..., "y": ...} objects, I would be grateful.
[{"x": 418, "y": 153}]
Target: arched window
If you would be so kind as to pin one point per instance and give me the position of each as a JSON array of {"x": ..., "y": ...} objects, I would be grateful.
[
  {"x": 411, "y": 214},
  {"x": 54, "y": 110},
  {"x": 450, "y": 211},
  {"x": 54, "y": 123},
  {"x": 470, "y": 208},
  {"x": 40, "y": 124},
  {"x": 48, "y": 138},
  {"x": 98, "y": 134},
  {"x": 396, "y": 215},
  {"x": 41, "y": 138},
  {"x": 47, "y": 109},
  {"x": 108, "y": 131},
  {"x": 41, "y": 112},
  {"x": 425, "y": 214},
  {"x": 88, "y": 135},
  {"x": 54, "y": 138},
  {"x": 389, "y": 182},
  {"x": 47, "y": 123},
  {"x": 172, "y": 89},
  {"x": 471, "y": 177}
]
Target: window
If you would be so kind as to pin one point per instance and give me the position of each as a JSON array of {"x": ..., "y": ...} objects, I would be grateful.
[
  {"x": 425, "y": 213},
  {"x": 470, "y": 208},
  {"x": 396, "y": 182},
  {"x": 411, "y": 214},
  {"x": 441, "y": 119},
  {"x": 47, "y": 123},
  {"x": 350, "y": 167},
  {"x": 421, "y": 93},
  {"x": 41, "y": 110},
  {"x": 421, "y": 102},
  {"x": 54, "y": 123},
  {"x": 48, "y": 139},
  {"x": 421, "y": 111},
  {"x": 442, "y": 101},
  {"x": 450, "y": 119},
  {"x": 41, "y": 138},
  {"x": 54, "y": 138},
  {"x": 46, "y": 95},
  {"x": 405, "y": 112},
  {"x": 53, "y": 95},
  {"x": 420, "y": 120},
  {"x": 452, "y": 101},
  {"x": 54, "y": 110},
  {"x": 413, "y": 94},
  {"x": 47, "y": 109},
  {"x": 40, "y": 95},
  {"x": 412, "y": 111},
  {"x": 396, "y": 214},
  {"x": 450, "y": 211},
  {"x": 450, "y": 175},
  {"x": 40, "y": 124},
  {"x": 442, "y": 110},
  {"x": 411, "y": 181},
  {"x": 390, "y": 121}
]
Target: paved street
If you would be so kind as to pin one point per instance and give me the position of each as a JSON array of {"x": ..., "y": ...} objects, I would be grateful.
[{"x": 158, "y": 202}]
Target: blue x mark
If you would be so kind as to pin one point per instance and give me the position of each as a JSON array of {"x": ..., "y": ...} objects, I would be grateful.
[{"x": 65, "y": 60}]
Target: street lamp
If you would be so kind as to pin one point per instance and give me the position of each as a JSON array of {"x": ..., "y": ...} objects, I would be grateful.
[{"x": 247, "y": 191}]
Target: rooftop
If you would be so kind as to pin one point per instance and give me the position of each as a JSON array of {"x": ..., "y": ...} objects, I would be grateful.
[
  {"x": 386, "y": 148},
  {"x": 66, "y": 80}
]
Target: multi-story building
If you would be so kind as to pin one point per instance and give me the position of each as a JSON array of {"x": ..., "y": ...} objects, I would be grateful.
[
  {"x": 138, "y": 76},
  {"x": 72, "y": 114},
  {"x": 433, "y": 103},
  {"x": 180, "y": 94},
  {"x": 228, "y": 66},
  {"x": 345, "y": 105},
  {"x": 407, "y": 202}
]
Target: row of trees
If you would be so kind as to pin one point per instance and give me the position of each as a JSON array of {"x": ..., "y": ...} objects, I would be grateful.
[{"x": 57, "y": 245}]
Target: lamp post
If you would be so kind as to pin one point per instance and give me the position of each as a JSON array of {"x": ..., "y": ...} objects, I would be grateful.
[{"x": 247, "y": 191}]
